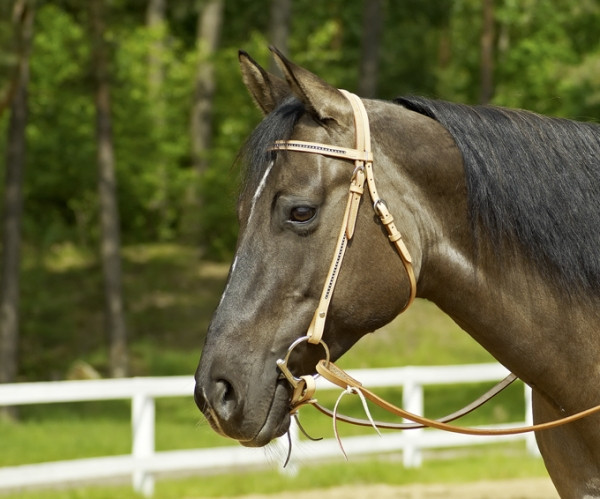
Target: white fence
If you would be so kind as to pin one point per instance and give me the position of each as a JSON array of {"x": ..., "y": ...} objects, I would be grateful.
[{"x": 144, "y": 462}]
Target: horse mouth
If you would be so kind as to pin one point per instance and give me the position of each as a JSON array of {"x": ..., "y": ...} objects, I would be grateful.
[{"x": 277, "y": 421}]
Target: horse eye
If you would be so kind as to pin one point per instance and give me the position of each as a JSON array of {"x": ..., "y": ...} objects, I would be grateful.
[{"x": 302, "y": 214}]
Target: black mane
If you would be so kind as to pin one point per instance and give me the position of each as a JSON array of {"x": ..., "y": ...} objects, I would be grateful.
[{"x": 531, "y": 179}]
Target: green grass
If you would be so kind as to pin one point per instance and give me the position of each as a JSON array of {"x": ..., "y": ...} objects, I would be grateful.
[
  {"x": 489, "y": 463},
  {"x": 53, "y": 432}
]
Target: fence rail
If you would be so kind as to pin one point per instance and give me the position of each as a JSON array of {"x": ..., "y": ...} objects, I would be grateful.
[{"x": 144, "y": 462}]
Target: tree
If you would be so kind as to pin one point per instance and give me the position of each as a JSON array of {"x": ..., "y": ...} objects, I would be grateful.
[
  {"x": 109, "y": 211},
  {"x": 13, "y": 199},
  {"x": 369, "y": 59},
  {"x": 210, "y": 20},
  {"x": 279, "y": 28},
  {"x": 156, "y": 23}
]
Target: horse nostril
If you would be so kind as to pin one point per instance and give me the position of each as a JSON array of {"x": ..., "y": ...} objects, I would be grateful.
[
  {"x": 224, "y": 390},
  {"x": 224, "y": 398}
]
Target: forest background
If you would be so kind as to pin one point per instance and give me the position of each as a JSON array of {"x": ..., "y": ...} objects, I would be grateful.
[{"x": 120, "y": 123}]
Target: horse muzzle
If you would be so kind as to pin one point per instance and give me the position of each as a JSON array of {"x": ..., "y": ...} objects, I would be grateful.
[{"x": 229, "y": 413}]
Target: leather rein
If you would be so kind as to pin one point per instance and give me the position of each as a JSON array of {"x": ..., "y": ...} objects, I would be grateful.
[{"x": 304, "y": 387}]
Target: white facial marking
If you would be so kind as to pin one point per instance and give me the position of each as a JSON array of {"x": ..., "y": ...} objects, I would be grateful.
[
  {"x": 227, "y": 287},
  {"x": 260, "y": 189}
]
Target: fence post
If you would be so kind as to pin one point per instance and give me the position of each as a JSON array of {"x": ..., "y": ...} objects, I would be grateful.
[
  {"x": 530, "y": 441},
  {"x": 412, "y": 401},
  {"x": 142, "y": 423}
]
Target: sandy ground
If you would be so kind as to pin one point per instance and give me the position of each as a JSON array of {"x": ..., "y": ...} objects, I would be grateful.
[{"x": 534, "y": 488}]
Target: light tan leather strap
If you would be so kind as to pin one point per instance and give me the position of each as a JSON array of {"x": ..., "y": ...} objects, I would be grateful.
[
  {"x": 337, "y": 376},
  {"x": 386, "y": 425},
  {"x": 325, "y": 150}
]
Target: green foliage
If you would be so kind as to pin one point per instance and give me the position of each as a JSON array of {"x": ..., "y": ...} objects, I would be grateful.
[
  {"x": 60, "y": 174},
  {"x": 152, "y": 142},
  {"x": 540, "y": 52},
  {"x": 545, "y": 52},
  {"x": 580, "y": 88},
  {"x": 547, "y": 55}
]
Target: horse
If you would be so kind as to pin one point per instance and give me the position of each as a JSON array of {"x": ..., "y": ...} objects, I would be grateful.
[{"x": 499, "y": 209}]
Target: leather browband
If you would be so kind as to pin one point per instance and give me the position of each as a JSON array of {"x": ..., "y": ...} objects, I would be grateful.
[{"x": 325, "y": 150}]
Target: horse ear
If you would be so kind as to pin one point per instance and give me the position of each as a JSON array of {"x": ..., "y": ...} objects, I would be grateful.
[
  {"x": 267, "y": 90},
  {"x": 321, "y": 99}
]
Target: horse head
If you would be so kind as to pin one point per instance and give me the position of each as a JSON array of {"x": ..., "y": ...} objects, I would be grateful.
[
  {"x": 499, "y": 209},
  {"x": 290, "y": 210}
]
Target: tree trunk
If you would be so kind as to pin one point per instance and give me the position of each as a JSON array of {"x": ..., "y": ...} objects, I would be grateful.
[
  {"x": 109, "y": 212},
  {"x": 209, "y": 30},
  {"x": 369, "y": 60},
  {"x": 210, "y": 18},
  {"x": 13, "y": 199},
  {"x": 279, "y": 28},
  {"x": 487, "y": 53},
  {"x": 156, "y": 24}
]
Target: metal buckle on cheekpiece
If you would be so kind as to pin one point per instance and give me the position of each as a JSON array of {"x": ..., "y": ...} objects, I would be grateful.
[{"x": 304, "y": 386}]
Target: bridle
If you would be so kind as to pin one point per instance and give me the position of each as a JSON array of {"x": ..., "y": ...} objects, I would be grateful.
[
  {"x": 363, "y": 170},
  {"x": 304, "y": 387}
]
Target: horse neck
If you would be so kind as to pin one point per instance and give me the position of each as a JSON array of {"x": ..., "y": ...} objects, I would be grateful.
[
  {"x": 528, "y": 325},
  {"x": 509, "y": 308}
]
